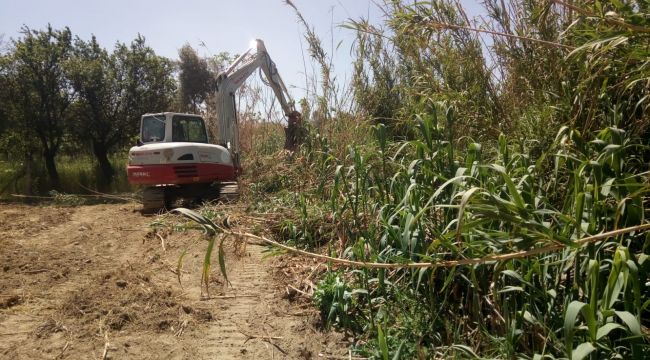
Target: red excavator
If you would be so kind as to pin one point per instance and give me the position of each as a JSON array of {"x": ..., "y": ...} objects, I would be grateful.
[{"x": 174, "y": 157}]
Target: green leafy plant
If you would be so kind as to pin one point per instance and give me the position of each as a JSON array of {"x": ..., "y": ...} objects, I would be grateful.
[
  {"x": 66, "y": 199},
  {"x": 537, "y": 141},
  {"x": 334, "y": 299},
  {"x": 430, "y": 201},
  {"x": 601, "y": 314},
  {"x": 213, "y": 233}
]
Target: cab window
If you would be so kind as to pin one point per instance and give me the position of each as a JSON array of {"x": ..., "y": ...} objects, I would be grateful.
[
  {"x": 153, "y": 129},
  {"x": 188, "y": 129}
]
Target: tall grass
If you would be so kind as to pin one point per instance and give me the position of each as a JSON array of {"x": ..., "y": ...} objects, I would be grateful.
[
  {"x": 78, "y": 175},
  {"x": 472, "y": 150},
  {"x": 426, "y": 200}
]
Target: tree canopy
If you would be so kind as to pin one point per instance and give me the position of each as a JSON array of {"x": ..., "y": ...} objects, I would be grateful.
[{"x": 56, "y": 91}]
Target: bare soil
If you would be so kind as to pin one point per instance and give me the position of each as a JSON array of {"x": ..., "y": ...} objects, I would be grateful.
[{"x": 96, "y": 282}]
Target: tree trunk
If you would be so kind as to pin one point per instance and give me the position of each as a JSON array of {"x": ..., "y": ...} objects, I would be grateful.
[
  {"x": 101, "y": 153},
  {"x": 28, "y": 173},
  {"x": 50, "y": 165}
]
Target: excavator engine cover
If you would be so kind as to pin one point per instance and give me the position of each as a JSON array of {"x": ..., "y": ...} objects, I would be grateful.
[{"x": 179, "y": 163}]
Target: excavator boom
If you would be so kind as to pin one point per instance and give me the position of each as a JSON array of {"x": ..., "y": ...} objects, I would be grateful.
[{"x": 256, "y": 57}]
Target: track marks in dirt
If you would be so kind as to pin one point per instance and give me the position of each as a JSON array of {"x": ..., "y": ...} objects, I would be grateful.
[
  {"x": 21, "y": 220},
  {"x": 92, "y": 278},
  {"x": 259, "y": 323}
]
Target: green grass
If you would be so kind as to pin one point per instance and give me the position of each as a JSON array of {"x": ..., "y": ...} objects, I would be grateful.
[
  {"x": 544, "y": 144},
  {"x": 78, "y": 175},
  {"x": 429, "y": 200}
]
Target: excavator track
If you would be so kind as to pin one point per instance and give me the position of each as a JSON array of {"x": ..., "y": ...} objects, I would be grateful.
[
  {"x": 157, "y": 198},
  {"x": 154, "y": 199},
  {"x": 228, "y": 192}
]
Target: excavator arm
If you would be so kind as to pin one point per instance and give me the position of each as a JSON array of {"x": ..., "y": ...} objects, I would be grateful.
[{"x": 232, "y": 78}]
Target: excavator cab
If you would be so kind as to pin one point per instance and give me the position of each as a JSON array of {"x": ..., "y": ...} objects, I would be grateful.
[{"x": 172, "y": 127}]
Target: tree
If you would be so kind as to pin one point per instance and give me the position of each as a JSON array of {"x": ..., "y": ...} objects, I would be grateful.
[
  {"x": 4, "y": 92},
  {"x": 114, "y": 90},
  {"x": 195, "y": 79},
  {"x": 43, "y": 93},
  {"x": 150, "y": 86},
  {"x": 99, "y": 109},
  {"x": 17, "y": 140}
]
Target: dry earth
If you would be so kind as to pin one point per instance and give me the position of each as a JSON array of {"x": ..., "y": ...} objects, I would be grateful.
[{"x": 93, "y": 282}]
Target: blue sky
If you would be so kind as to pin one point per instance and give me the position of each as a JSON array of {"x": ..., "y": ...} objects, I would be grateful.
[{"x": 222, "y": 25}]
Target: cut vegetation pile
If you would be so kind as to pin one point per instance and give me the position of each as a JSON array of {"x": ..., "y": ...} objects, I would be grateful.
[{"x": 126, "y": 298}]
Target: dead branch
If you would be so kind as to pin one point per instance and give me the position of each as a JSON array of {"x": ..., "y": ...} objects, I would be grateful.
[{"x": 449, "y": 263}]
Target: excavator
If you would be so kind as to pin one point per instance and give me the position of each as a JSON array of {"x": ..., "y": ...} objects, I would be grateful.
[{"x": 174, "y": 158}]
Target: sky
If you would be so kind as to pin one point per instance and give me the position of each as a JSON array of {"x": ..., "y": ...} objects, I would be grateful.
[{"x": 221, "y": 25}]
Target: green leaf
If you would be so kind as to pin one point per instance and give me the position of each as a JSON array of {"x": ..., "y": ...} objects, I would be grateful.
[
  {"x": 642, "y": 258},
  {"x": 646, "y": 305},
  {"x": 359, "y": 291},
  {"x": 605, "y": 329},
  {"x": 629, "y": 320},
  {"x": 465, "y": 349},
  {"x": 616, "y": 280},
  {"x": 207, "y": 224},
  {"x": 421, "y": 273},
  {"x": 570, "y": 317},
  {"x": 607, "y": 187},
  {"x": 579, "y": 209},
  {"x": 616, "y": 289},
  {"x": 463, "y": 203},
  {"x": 512, "y": 189},
  {"x": 383, "y": 346},
  {"x": 398, "y": 353},
  {"x": 456, "y": 180},
  {"x": 222, "y": 261},
  {"x": 582, "y": 351},
  {"x": 530, "y": 318},
  {"x": 507, "y": 289},
  {"x": 406, "y": 232},
  {"x": 179, "y": 266},
  {"x": 205, "y": 276},
  {"x": 515, "y": 275}
]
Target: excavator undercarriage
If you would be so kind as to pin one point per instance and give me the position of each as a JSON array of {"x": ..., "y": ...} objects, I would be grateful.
[{"x": 155, "y": 198}]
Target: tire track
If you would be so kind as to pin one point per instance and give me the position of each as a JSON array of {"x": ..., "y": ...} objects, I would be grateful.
[{"x": 261, "y": 323}]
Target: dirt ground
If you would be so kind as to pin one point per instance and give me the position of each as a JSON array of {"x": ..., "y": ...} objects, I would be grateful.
[{"x": 93, "y": 282}]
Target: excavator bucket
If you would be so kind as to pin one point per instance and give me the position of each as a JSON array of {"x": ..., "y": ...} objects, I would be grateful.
[{"x": 294, "y": 132}]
